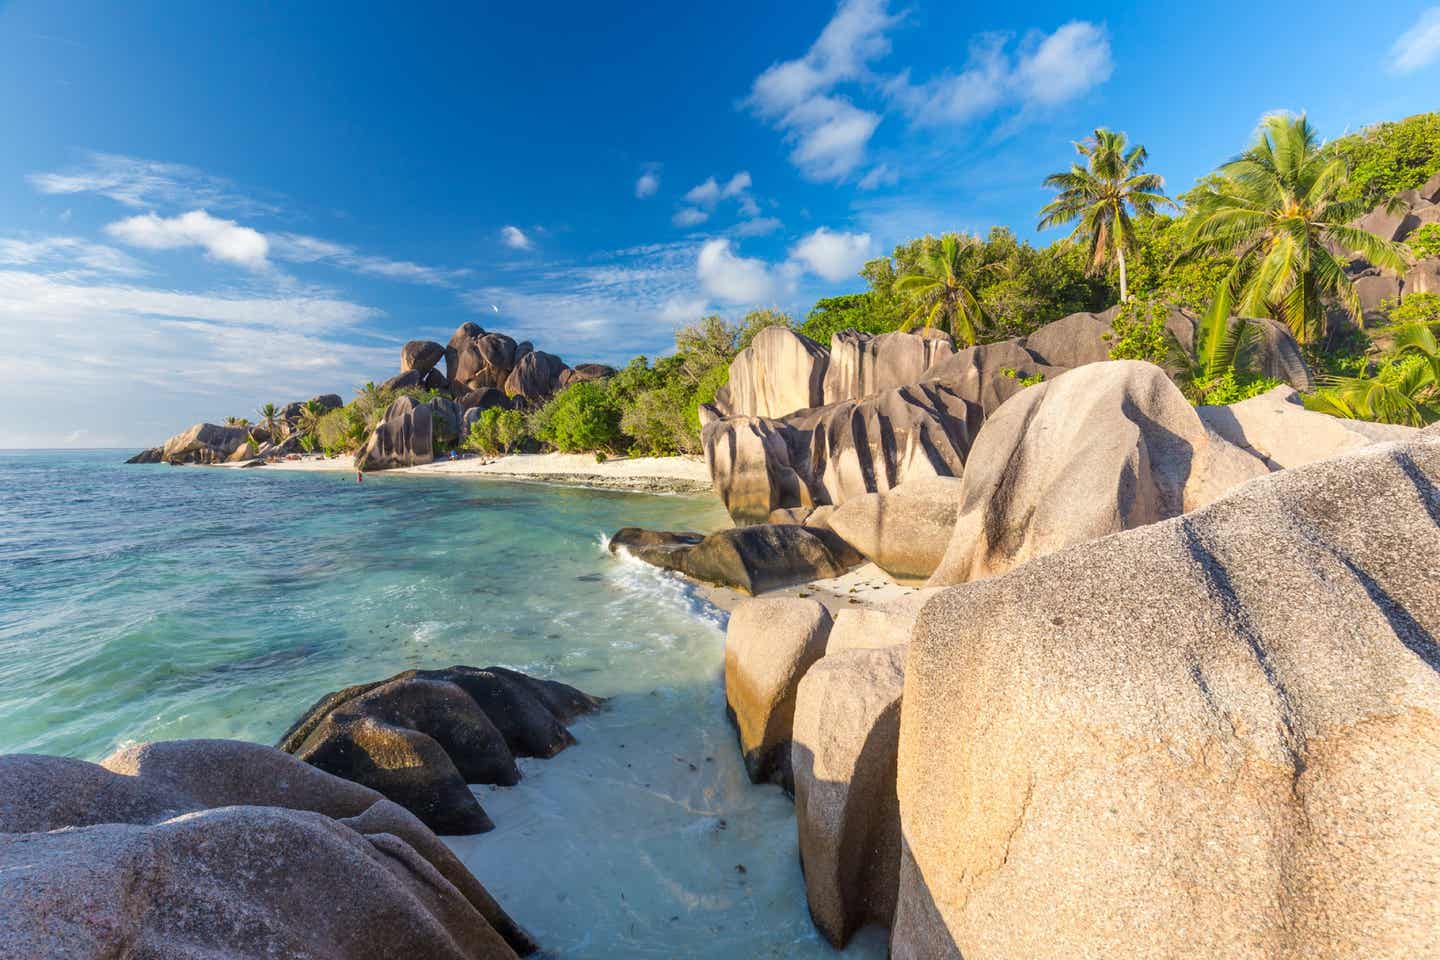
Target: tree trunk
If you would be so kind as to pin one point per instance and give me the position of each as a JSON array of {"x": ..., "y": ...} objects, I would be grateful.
[{"x": 1124, "y": 284}]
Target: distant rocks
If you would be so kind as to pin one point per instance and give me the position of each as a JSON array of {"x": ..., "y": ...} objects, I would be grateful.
[
  {"x": 210, "y": 848},
  {"x": 422, "y": 736}
]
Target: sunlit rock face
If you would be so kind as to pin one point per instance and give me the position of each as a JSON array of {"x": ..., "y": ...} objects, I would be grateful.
[
  {"x": 862, "y": 364},
  {"x": 1210, "y": 736},
  {"x": 779, "y": 373}
]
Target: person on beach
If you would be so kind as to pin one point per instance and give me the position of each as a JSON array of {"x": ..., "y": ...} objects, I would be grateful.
[{"x": 359, "y": 476}]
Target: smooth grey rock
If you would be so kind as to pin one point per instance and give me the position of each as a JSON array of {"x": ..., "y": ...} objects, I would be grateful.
[
  {"x": 779, "y": 373},
  {"x": 403, "y": 438},
  {"x": 863, "y": 364}
]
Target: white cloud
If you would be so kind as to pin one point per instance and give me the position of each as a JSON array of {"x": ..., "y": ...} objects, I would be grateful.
[
  {"x": 223, "y": 240},
  {"x": 515, "y": 238},
  {"x": 1419, "y": 46},
  {"x": 71, "y": 256},
  {"x": 649, "y": 183},
  {"x": 711, "y": 192},
  {"x": 830, "y": 130},
  {"x": 833, "y": 256},
  {"x": 682, "y": 310},
  {"x": 879, "y": 176},
  {"x": 298, "y": 248},
  {"x": 146, "y": 183},
  {"x": 166, "y": 358},
  {"x": 1066, "y": 64},
  {"x": 734, "y": 279},
  {"x": 757, "y": 227},
  {"x": 689, "y": 217}
]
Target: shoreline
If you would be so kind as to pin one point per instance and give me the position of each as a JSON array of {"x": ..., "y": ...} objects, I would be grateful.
[{"x": 653, "y": 475}]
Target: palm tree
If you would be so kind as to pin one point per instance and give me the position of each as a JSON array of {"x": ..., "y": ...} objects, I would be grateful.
[
  {"x": 269, "y": 420},
  {"x": 1223, "y": 348},
  {"x": 1405, "y": 390},
  {"x": 1101, "y": 195},
  {"x": 939, "y": 292},
  {"x": 309, "y": 419},
  {"x": 1276, "y": 209}
]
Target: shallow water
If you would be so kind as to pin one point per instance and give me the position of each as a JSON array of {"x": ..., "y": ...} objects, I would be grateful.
[{"x": 152, "y": 602}]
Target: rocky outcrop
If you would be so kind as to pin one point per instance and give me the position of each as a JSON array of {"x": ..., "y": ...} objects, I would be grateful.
[
  {"x": 903, "y": 531},
  {"x": 422, "y": 736},
  {"x": 846, "y": 735},
  {"x": 535, "y": 377},
  {"x": 986, "y": 376},
  {"x": 206, "y": 848},
  {"x": 748, "y": 559},
  {"x": 403, "y": 438},
  {"x": 1278, "y": 429},
  {"x": 1278, "y": 356},
  {"x": 446, "y": 422},
  {"x": 862, "y": 364},
  {"x": 204, "y": 443},
  {"x": 409, "y": 380},
  {"x": 151, "y": 455},
  {"x": 459, "y": 341},
  {"x": 1214, "y": 736},
  {"x": 830, "y": 454},
  {"x": 484, "y": 399},
  {"x": 779, "y": 373},
  {"x": 769, "y": 644}
]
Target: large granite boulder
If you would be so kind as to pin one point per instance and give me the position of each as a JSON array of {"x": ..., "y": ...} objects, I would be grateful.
[
  {"x": 769, "y": 644},
  {"x": 1278, "y": 356},
  {"x": 535, "y": 377},
  {"x": 196, "y": 849},
  {"x": 905, "y": 530},
  {"x": 751, "y": 469},
  {"x": 1277, "y": 428},
  {"x": 846, "y": 735},
  {"x": 1102, "y": 448},
  {"x": 862, "y": 364},
  {"x": 403, "y": 438},
  {"x": 1423, "y": 277},
  {"x": 1083, "y": 338},
  {"x": 446, "y": 422},
  {"x": 422, "y": 736},
  {"x": 1214, "y": 736},
  {"x": 586, "y": 371},
  {"x": 148, "y": 455},
  {"x": 420, "y": 355},
  {"x": 749, "y": 559},
  {"x": 484, "y": 399},
  {"x": 204, "y": 443},
  {"x": 496, "y": 350},
  {"x": 463, "y": 336},
  {"x": 410, "y": 379},
  {"x": 779, "y": 373}
]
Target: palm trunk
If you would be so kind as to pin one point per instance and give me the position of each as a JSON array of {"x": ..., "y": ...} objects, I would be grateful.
[{"x": 1124, "y": 284}]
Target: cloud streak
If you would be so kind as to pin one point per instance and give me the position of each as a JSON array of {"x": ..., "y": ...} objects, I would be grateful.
[
  {"x": 223, "y": 240},
  {"x": 140, "y": 183},
  {"x": 1419, "y": 46}
]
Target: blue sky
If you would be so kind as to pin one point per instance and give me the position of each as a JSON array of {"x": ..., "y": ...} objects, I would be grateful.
[{"x": 207, "y": 206}]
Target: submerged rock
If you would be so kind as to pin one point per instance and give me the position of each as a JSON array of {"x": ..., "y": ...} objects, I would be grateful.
[
  {"x": 195, "y": 849},
  {"x": 422, "y": 736},
  {"x": 769, "y": 644},
  {"x": 748, "y": 559},
  {"x": 1214, "y": 736}
]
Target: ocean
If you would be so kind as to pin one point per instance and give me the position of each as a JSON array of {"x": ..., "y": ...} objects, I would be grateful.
[{"x": 152, "y": 602}]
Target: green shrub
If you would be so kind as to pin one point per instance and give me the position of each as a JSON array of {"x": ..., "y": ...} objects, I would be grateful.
[
  {"x": 659, "y": 422},
  {"x": 341, "y": 430},
  {"x": 510, "y": 430},
  {"x": 1140, "y": 332},
  {"x": 1416, "y": 308},
  {"x": 1425, "y": 242},
  {"x": 484, "y": 435},
  {"x": 1232, "y": 388},
  {"x": 1388, "y": 158},
  {"x": 583, "y": 416}
]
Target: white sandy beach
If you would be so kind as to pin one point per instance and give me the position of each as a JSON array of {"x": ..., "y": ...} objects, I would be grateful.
[{"x": 642, "y": 474}]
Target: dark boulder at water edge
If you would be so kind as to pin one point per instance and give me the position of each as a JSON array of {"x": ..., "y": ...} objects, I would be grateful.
[
  {"x": 749, "y": 559},
  {"x": 422, "y": 736},
  {"x": 198, "y": 849}
]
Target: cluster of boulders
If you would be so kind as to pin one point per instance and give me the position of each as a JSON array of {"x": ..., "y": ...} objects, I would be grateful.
[
  {"x": 1397, "y": 220},
  {"x": 1155, "y": 719},
  {"x": 421, "y": 737},
  {"x": 799, "y": 426},
  {"x": 322, "y": 847},
  {"x": 212, "y": 443},
  {"x": 194, "y": 849}
]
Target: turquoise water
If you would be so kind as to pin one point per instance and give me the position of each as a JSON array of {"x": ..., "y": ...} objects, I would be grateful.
[{"x": 153, "y": 602}]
